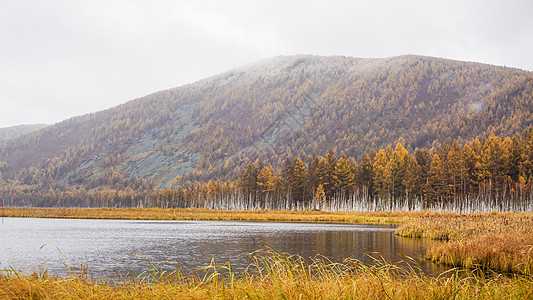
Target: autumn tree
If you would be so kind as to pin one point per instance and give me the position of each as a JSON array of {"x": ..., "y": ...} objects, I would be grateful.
[
  {"x": 471, "y": 169},
  {"x": 420, "y": 172},
  {"x": 248, "y": 182},
  {"x": 364, "y": 173},
  {"x": 494, "y": 161},
  {"x": 320, "y": 196},
  {"x": 455, "y": 169},
  {"x": 436, "y": 180},
  {"x": 326, "y": 168},
  {"x": 313, "y": 179},
  {"x": 396, "y": 171},
  {"x": 515, "y": 157},
  {"x": 343, "y": 178},
  {"x": 379, "y": 167},
  {"x": 298, "y": 181},
  {"x": 265, "y": 183}
]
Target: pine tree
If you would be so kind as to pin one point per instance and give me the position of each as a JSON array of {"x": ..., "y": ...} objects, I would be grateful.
[
  {"x": 343, "y": 178},
  {"x": 436, "y": 179},
  {"x": 396, "y": 171},
  {"x": 526, "y": 167},
  {"x": 455, "y": 169},
  {"x": 515, "y": 157},
  {"x": 329, "y": 183},
  {"x": 364, "y": 173},
  {"x": 265, "y": 183},
  {"x": 320, "y": 196},
  {"x": 471, "y": 163},
  {"x": 379, "y": 166},
  {"x": 248, "y": 182},
  {"x": 298, "y": 181},
  {"x": 313, "y": 179},
  {"x": 423, "y": 160},
  {"x": 325, "y": 173},
  {"x": 286, "y": 175}
]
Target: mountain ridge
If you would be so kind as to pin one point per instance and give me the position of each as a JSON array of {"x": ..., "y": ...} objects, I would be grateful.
[
  {"x": 12, "y": 132},
  {"x": 279, "y": 107}
]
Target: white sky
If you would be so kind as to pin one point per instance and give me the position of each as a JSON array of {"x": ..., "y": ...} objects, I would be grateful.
[{"x": 59, "y": 58}]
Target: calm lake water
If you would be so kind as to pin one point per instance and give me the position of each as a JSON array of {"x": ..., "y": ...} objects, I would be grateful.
[{"x": 110, "y": 247}]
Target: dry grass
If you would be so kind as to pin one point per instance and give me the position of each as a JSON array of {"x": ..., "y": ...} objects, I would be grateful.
[
  {"x": 450, "y": 227},
  {"x": 275, "y": 276},
  {"x": 509, "y": 253},
  {"x": 497, "y": 241},
  {"x": 207, "y": 214}
]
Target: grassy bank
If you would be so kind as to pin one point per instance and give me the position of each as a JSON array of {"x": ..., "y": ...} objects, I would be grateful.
[
  {"x": 207, "y": 214},
  {"x": 276, "y": 276},
  {"x": 497, "y": 241}
]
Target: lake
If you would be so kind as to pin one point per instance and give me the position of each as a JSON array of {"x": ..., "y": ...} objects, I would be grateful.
[{"x": 111, "y": 247}]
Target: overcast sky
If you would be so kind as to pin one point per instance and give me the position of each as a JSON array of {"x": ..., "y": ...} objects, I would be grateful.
[{"x": 60, "y": 59}]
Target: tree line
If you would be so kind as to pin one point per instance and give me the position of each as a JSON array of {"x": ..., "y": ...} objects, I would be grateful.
[
  {"x": 493, "y": 173},
  {"x": 487, "y": 174}
]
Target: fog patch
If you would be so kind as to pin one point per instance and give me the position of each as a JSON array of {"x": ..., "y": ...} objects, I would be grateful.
[{"x": 476, "y": 107}]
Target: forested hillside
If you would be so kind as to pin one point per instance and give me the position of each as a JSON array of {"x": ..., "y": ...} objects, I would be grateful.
[
  {"x": 493, "y": 173},
  {"x": 12, "y": 132},
  {"x": 268, "y": 112}
]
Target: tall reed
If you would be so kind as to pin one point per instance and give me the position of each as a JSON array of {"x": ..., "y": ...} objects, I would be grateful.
[
  {"x": 497, "y": 241},
  {"x": 273, "y": 275}
]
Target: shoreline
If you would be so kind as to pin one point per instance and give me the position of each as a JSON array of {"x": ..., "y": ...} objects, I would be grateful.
[
  {"x": 502, "y": 242},
  {"x": 498, "y": 246},
  {"x": 209, "y": 215}
]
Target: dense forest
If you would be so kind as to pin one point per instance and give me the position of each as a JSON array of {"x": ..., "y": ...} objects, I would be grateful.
[
  {"x": 490, "y": 174},
  {"x": 270, "y": 113},
  {"x": 493, "y": 173}
]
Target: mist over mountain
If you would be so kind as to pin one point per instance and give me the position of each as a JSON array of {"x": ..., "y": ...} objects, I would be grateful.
[
  {"x": 12, "y": 132},
  {"x": 281, "y": 107}
]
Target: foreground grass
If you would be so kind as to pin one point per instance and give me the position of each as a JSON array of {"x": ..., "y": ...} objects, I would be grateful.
[{"x": 276, "y": 276}]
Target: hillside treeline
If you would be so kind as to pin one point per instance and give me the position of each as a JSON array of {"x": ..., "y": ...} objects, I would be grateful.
[
  {"x": 110, "y": 189},
  {"x": 494, "y": 173},
  {"x": 488, "y": 174}
]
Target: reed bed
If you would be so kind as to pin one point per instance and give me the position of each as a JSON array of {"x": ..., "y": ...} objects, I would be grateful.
[
  {"x": 272, "y": 275},
  {"x": 208, "y": 214},
  {"x": 497, "y": 241},
  {"x": 450, "y": 226},
  {"x": 508, "y": 253}
]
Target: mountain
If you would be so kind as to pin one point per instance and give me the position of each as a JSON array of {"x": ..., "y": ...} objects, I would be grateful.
[
  {"x": 12, "y": 132},
  {"x": 281, "y": 107}
]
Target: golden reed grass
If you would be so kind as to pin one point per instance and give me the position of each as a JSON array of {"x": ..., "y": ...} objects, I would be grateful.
[
  {"x": 206, "y": 214},
  {"x": 508, "y": 253},
  {"x": 273, "y": 275},
  {"x": 497, "y": 241}
]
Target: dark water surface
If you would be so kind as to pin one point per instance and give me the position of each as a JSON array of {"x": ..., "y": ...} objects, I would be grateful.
[{"x": 108, "y": 247}]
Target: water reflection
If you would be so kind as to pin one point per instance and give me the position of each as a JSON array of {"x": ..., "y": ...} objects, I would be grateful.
[{"x": 108, "y": 245}]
